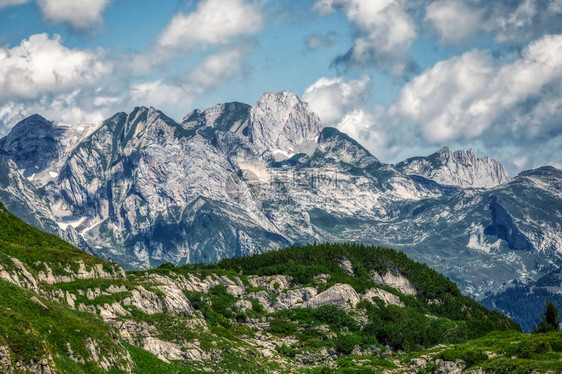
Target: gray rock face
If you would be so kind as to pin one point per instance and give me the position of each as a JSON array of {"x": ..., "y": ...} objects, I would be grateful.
[
  {"x": 396, "y": 281},
  {"x": 168, "y": 351},
  {"x": 341, "y": 295},
  {"x": 224, "y": 117},
  {"x": 20, "y": 196},
  {"x": 459, "y": 168},
  {"x": 346, "y": 266},
  {"x": 32, "y": 144},
  {"x": 39, "y": 146},
  {"x": 387, "y": 297},
  {"x": 5, "y": 361},
  {"x": 141, "y": 189},
  {"x": 281, "y": 122},
  {"x": 341, "y": 148}
]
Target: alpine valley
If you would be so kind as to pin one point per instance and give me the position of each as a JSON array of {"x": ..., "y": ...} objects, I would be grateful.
[{"x": 141, "y": 190}]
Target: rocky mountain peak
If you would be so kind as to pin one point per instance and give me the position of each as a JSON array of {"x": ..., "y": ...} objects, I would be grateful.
[
  {"x": 144, "y": 125},
  {"x": 32, "y": 127},
  {"x": 225, "y": 117},
  {"x": 282, "y": 123},
  {"x": 31, "y": 144},
  {"x": 338, "y": 146},
  {"x": 288, "y": 98},
  {"x": 466, "y": 157},
  {"x": 462, "y": 168},
  {"x": 39, "y": 146}
]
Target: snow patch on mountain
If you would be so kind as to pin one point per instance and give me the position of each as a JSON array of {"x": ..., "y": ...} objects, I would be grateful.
[{"x": 478, "y": 240}]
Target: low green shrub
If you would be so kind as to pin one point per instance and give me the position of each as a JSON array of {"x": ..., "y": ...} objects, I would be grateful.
[
  {"x": 335, "y": 317},
  {"x": 346, "y": 343},
  {"x": 282, "y": 327}
]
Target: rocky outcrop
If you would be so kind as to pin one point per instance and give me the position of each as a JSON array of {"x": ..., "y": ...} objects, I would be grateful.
[
  {"x": 346, "y": 266},
  {"x": 174, "y": 301},
  {"x": 387, "y": 297},
  {"x": 107, "y": 360},
  {"x": 95, "y": 271},
  {"x": 295, "y": 298},
  {"x": 42, "y": 366},
  {"x": 19, "y": 275},
  {"x": 168, "y": 351},
  {"x": 275, "y": 283},
  {"x": 5, "y": 360},
  {"x": 341, "y": 295},
  {"x": 396, "y": 281},
  {"x": 313, "y": 357}
]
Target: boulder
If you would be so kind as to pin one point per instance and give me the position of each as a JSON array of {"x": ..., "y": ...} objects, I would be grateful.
[
  {"x": 387, "y": 297},
  {"x": 342, "y": 295}
]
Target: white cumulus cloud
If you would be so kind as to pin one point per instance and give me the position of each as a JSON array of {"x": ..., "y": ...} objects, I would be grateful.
[
  {"x": 80, "y": 14},
  {"x": 41, "y": 65},
  {"x": 384, "y": 28},
  {"x": 215, "y": 70},
  {"x": 333, "y": 98},
  {"x": 509, "y": 111},
  {"x": 464, "y": 96},
  {"x": 454, "y": 20},
  {"x": 213, "y": 22},
  {"x": 518, "y": 21}
]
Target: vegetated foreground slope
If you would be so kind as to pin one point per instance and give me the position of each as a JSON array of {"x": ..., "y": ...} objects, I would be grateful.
[{"x": 310, "y": 309}]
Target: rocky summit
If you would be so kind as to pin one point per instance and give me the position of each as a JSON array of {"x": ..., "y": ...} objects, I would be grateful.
[
  {"x": 459, "y": 168},
  {"x": 141, "y": 190}
]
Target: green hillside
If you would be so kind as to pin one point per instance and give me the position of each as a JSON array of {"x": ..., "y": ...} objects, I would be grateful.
[{"x": 35, "y": 248}]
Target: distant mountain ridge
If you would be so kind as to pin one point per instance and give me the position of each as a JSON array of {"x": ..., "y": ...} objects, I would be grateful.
[
  {"x": 459, "y": 168},
  {"x": 141, "y": 189}
]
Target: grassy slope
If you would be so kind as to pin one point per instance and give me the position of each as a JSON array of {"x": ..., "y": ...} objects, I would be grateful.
[
  {"x": 31, "y": 331},
  {"x": 32, "y": 246},
  {"x": 514, "y": 352}
]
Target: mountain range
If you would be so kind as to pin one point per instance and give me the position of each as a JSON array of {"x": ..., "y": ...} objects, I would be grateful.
[{"x": 141, "y": 189}]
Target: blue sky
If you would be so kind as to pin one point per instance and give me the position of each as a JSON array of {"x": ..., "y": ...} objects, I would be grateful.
[{"x": 403, "y": 77}]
